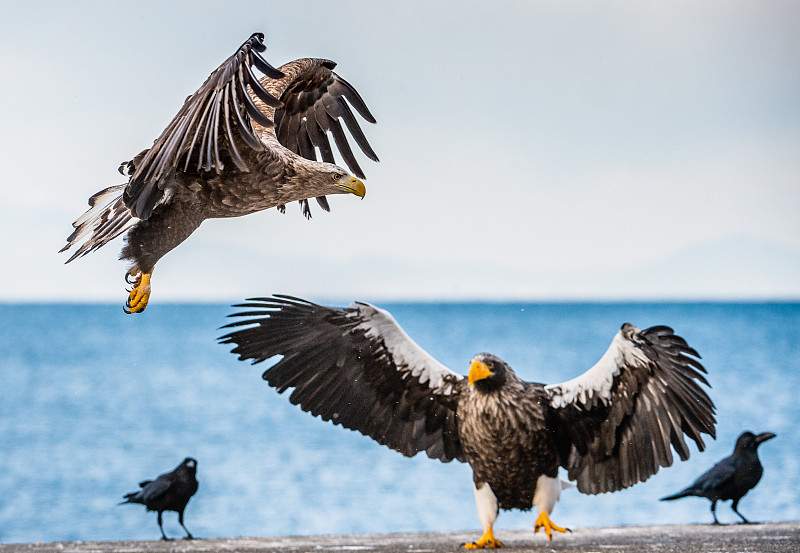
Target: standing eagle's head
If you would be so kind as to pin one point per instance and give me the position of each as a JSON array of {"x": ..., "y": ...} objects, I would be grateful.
[{"x": 487, "y": 372}]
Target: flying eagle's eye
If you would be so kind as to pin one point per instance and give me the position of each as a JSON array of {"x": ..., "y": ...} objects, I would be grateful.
[{"x": 336, "y": 176}]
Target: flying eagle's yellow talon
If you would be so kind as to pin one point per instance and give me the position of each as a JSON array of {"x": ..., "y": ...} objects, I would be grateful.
[
  {"x": 487, "y": 541},
  {"x": 139, "y": 294},
  {"x": 132, "y": 276},
  {"x": 543, "y": 521}
]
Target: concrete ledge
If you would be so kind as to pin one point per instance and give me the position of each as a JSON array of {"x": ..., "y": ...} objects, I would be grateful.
[{"x": 777, "y": 537}]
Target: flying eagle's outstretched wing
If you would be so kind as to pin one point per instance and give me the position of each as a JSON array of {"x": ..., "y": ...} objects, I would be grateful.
[
  {"x": 355, "y": 367},
  {"x": 221, "y": 156},
  {"x": 205, "y": 130},
  {"x": 615, "y": 423},
  {"x": 234, "y": 110},
  {"x": 314, "y": 102}
]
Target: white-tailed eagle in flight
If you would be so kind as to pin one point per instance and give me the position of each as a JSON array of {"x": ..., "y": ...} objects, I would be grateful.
[{"x": 238, "y": 145}]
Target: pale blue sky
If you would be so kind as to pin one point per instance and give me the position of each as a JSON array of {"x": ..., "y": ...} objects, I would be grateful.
[{"x": 529, "y": 150}]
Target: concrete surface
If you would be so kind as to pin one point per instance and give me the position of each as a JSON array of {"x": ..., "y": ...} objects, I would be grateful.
[{"x": 779, "y": 537}]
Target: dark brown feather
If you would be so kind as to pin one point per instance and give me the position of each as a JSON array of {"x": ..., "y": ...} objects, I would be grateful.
[
  {"x": 613, "y": 444},
  {"x": 614, "y": 426},
  {"x": 199, "y": 119},
  {"x": 351, "y": 380},
  {"x": 218, "y": 156}
]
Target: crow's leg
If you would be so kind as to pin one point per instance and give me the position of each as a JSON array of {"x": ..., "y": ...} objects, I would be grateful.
[
  {"x": 714, "y": 510},
  {"x": 189, "y": 535},
  {"x": 735, "y": 510},
  {"x": 161, "y": 527}
]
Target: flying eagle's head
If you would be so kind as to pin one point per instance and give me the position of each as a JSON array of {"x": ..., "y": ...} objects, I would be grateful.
[
  {"x": 487, "y": 372},
  {"x": 335, "y": 180}
]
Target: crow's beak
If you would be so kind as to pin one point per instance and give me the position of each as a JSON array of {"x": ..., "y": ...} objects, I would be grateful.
[{"x": 763, "y": 437}]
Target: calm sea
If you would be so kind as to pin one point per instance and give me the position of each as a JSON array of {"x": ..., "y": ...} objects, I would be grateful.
[{"x": 92, "y": 401}]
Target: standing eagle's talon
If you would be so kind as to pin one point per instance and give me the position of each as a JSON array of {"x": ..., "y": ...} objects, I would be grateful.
[
  {"x": 544, "y": 522},
  {"x": 478, "y": 545},
  {"x": 487, "y": 541}
]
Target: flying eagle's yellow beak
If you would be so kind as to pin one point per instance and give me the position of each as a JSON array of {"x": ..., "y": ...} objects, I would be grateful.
[
  {"x": 478, "y": 371},
  {"x": 355, "y": 186}
]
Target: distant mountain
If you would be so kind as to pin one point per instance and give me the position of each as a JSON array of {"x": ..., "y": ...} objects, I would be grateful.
[{"x": 733, "y": 268}]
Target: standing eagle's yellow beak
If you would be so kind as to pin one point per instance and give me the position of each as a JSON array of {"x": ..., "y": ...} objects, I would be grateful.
[
  {"x": 478, "y": 371},
  {"x": 355, "y": 186}
]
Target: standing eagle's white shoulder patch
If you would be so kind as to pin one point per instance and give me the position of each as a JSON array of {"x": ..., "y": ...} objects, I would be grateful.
[
  {"x": 598, "y": 381},
  {"x": 408, "y": 356}
]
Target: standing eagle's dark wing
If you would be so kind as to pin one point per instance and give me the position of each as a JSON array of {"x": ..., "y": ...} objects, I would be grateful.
[
  {"x": 355, "y": 367},
  {"x": 615, "y": 423},
  {"x": 314, "y": 103},
  {"x": 205, "y": 130}
]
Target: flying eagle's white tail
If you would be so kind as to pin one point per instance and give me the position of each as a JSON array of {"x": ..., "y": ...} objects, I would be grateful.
[{"x": 107, "y": 218}]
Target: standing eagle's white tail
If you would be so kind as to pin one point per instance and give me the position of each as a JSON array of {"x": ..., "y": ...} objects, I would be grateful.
[{"x": 107, "y": 218}]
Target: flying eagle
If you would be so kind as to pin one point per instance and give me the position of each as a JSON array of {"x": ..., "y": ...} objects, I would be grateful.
[
  {"x": 237, "y": 146},
  {"x": 610, "y": 427}
]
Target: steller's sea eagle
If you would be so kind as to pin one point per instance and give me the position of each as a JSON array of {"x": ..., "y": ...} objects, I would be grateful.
[
  {"x": 610, "y": 427},
  {"x": 237, "y": 146}
]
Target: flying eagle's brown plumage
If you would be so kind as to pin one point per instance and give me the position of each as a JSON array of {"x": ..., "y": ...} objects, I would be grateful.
[
  {"x": 237, "y": 146},
  {"x": 610, "y": 428}
]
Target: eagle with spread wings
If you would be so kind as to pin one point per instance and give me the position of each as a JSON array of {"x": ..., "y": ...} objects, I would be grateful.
[
  {"x": 238, "y": 145},
  {"x": 610, "y": 428}
]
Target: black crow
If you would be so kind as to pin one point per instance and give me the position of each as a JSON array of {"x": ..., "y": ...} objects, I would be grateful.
[
  {"x": 169, "y": 492},
  {"x": 732, "y": 477}
]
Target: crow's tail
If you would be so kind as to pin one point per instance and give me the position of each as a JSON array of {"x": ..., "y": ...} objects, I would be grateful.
[
  {"x": 684, "y": 493},
  {"x": 132, "y": 497}
]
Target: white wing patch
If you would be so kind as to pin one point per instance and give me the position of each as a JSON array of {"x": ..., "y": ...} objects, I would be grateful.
[
  {"x": 597, "y": 381},
  {"x": 409, "y": 357}
]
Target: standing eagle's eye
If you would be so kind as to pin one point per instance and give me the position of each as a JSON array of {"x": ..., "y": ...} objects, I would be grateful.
[{"x": 336, "y": 176}]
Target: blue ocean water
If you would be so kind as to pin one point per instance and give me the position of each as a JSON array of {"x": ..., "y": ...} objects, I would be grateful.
[{"x": 92, "y": 401}]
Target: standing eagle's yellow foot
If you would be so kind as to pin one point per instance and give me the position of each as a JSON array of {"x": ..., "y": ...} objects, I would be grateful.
[
  {"x": 139, "y": 294},
  {"x": 487, "y": 541},
  {"x": 543, "y": 521}
]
